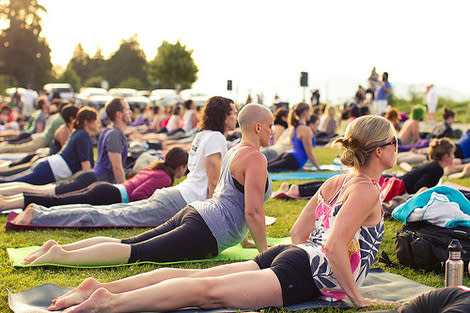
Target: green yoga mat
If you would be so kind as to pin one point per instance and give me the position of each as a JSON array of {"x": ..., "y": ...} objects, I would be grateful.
[{"x": 236, "y": 253}]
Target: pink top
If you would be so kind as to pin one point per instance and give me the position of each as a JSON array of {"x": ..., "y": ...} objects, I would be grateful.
[{"x": 145, "y": 182}]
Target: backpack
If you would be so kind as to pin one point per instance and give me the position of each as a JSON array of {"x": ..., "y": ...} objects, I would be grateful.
[{"x": 424, "y": 246}]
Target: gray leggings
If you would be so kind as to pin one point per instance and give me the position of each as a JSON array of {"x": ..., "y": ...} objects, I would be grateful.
[{"x": 151, "y": 212}]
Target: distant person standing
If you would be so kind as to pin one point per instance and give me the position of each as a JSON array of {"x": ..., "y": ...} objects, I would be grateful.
[
  {"x": 315, "y": 98},
  {"x": 431, "y": 102},
  {"x": 384, "y": 89},
  {"x": 29, "y": 97},
  {"x": 360, "y": 96}
]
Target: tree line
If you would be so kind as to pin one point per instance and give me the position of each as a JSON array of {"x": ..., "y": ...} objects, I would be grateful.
[{"x": 25, "y": 58}]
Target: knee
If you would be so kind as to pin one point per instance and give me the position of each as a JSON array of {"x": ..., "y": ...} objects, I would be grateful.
[{"x": 212, "y": 293}]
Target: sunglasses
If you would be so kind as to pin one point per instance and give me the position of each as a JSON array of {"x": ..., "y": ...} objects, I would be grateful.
[{"x": 394, "y": 143}]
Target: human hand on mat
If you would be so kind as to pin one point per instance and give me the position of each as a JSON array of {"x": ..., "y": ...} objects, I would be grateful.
[{"x": 250, "y": 244}]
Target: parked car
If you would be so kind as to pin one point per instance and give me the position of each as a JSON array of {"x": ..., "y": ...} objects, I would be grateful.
[
  {"x": 164, "y": 97},
  {"x": 122, "y": 92},
  {"x": 95, "y": 97},
  {"x": 65, "y": 90},
  {"x": 137, "y": 102},
  {"x": 198, "y": 97},
  {"x": 10, "y": 91}
]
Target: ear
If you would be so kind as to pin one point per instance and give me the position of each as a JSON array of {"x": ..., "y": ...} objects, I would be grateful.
[{"x": 257, "y": 127}]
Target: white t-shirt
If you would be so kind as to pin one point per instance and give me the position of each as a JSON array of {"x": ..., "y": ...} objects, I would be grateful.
[
  {"x": 187, "y": 122},
  {"x": 28, "y": 102},
  {"x": 206, "y": 143}
]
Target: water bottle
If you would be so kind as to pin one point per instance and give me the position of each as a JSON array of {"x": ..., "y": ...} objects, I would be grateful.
[{"x": 454, "y": 265}]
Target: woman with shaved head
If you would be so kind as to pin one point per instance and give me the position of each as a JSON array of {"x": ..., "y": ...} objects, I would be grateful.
[{"x": 202, "y": 228}]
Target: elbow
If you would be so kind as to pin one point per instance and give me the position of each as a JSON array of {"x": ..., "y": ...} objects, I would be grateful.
[{"x": 295, "y": 236}]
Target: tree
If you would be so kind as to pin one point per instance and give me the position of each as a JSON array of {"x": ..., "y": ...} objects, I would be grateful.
[
  {"x": 69, "y": 76},
  {"x": 25, "y": 55},
  {"x": 131, "y": 82},
  {"x": 94, "y": 81},
  {"x": 128, "y": 61},
  {"x": 80, "y": 63},
  {"x": 173, "y": 65},
  {"x": 98, "y": 64}
]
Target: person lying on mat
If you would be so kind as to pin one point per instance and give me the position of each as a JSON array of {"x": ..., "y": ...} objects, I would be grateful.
[
  {"x": 427, "y": 175},
  {"x": 208, "y": 148},
  {"x": 335, "y": 240},
  {"x": 202, "y": 228},
  {"x": 76, "y": 155},
  {"x": 302, "y": 138},
  {"x": 159, "y": 174}
]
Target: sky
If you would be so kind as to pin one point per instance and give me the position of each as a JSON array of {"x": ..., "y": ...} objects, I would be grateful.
[{"x": 262, "y": 46}]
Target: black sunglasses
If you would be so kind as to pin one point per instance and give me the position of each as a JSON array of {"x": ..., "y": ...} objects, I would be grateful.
[{"x": 393, "y": 142}]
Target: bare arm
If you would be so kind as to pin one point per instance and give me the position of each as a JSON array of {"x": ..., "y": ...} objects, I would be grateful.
[
  {"x": 305, "y": 223},
  {"x": 61, "y": 135},
  {"x": 213, "y": 165},
  {"x": 357, "y": 210},
  {"x": 86, "y": 166},
  {"x": 116, "y": 163},
  {"x": 255, "y": 183},
  {"x": 39, "y": 127},
  {"x": 306, "y": 136},
  {"x": 194, "y": 119}
]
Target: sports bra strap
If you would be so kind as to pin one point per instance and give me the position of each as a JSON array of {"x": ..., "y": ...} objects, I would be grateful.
[{"x": 338, "y": 191}]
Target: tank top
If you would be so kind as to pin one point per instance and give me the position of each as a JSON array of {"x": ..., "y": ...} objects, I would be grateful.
[
  {"x": 362, "y": 248},
  {"x": 224, "y": 213},
  {"x": 298, "y": 150}
]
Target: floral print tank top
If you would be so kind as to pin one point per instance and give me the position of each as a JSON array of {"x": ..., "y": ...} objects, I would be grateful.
[{"x": 362, "y": 249}]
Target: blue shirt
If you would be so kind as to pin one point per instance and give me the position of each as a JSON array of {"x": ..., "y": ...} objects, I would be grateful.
[
  {"x": 464, "y": 144},
  {"x": 77, "y": 149},
  {"x": 380, "y": 93}
]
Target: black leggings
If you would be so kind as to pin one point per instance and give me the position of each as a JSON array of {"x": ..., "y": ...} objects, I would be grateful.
[
  {"x": 284, "y": 161},
  {"x": 291, "y": 265},
  {"x": 98, "y": 193},
  {"x": 183, "y": 237},
  {"x": 78, "y": 181},
  {"x": 309, "y": 189}
]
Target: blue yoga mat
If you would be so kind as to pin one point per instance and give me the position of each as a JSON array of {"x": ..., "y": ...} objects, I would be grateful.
[{"x": 302, "y": 175}]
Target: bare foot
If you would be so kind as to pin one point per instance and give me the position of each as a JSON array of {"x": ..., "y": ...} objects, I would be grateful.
[
  {"x": 41, "y": 251},
  {"x": 75, "y": 296},
  {"x": 26, "y": 217},
  {"x": 99, "y": 301},
  {"x": 283, "y": 189},
  {"x": 51, "y": 256}
]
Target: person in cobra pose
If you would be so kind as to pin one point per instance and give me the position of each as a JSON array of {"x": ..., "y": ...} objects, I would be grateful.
[
  {"x": 302, "y": 139},
  {"x": 205, "y": 157},
  {"x": 335, "y": 240},
  {"x": 202, "y": 228},
  {"x": 159, "y": 174}
]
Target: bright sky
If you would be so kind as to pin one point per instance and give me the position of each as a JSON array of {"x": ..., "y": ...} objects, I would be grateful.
[{"x": 263, "y": 45}]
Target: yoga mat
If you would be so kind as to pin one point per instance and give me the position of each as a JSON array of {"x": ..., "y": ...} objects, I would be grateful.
[
  {"x": 236, "y": 253},
  {"x": 302, "y": 175},
  {"x": 329, "y": 167},
  {"x": 269, "y": 220},
  {"x": 378, "y": 285},
  {"x": 456, "y": 186}
]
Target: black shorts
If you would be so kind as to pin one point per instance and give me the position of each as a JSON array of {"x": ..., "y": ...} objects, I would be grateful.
[{"x": 291, "y": 265}]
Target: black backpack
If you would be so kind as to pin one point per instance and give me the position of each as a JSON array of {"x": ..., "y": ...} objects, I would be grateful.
[{"x": 424, "y": 246}]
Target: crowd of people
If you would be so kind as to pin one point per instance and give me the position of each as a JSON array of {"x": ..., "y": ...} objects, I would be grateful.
[{"x": 225, "y": 152}]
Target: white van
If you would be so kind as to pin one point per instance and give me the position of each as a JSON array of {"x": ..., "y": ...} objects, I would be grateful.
[{"x": 65, "y": 90}]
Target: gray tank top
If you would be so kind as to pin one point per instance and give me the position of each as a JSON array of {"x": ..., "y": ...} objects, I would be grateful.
[{"x": 224, "y": 213}]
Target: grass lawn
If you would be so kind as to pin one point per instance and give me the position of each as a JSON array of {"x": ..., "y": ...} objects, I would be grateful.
[{"x": 286, "y": 212}]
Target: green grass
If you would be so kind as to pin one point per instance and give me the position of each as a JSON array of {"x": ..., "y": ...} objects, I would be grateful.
[{"x": 19, "y": 279}]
